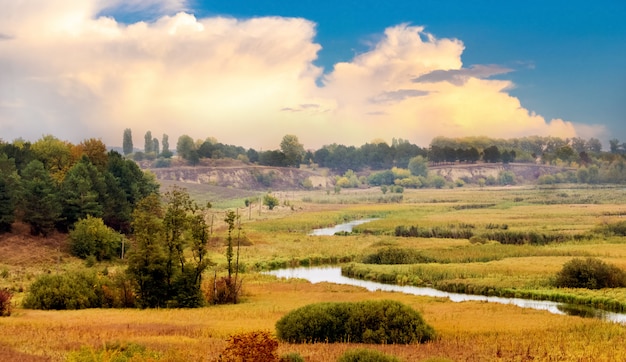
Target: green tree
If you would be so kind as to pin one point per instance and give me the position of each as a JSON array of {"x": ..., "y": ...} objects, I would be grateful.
[
  {"x": 491, "y": 154},
  {"x": 293, "y": 150},
  {"x": 270, "y": 201},
  {"x": 155, "y": 147},
  {"x": 594, "y": 145},
  {"x": 90, "y": 237},
  {"x": 175, "y": 222},
  {"x": 127, "y": 142},
  {"x": 165, "y": 145},
  {"x": 418, "y": 166},
  {"x": 185, "y": 147},
  {"x": 231, "y": 283},
  {"x": 148, "y": 145},
  {"x": 147, "y": 262},
  {"x": 614, "y": 145},
  {"x": 56, "y": 155},
  {"x": 174, "y": 240},
  {"x": 40, "y": 204},
  {"x": 83, "y": 192},
  {"x": 9, "y": 189}
]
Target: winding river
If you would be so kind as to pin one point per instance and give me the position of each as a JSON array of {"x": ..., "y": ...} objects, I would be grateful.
[{"x": 333, "y": 275}]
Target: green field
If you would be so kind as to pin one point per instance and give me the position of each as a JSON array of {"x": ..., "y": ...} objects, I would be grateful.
[{"x": 565, "y": 222}]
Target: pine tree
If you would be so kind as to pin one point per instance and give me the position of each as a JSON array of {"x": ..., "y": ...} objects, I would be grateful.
[{"x": 39, "y": 199}]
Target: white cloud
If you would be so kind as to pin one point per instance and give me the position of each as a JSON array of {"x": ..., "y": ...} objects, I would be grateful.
[{"x": 65, "y": 70}]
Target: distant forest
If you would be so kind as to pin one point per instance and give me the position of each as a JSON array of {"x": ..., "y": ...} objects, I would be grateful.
[
  {"x": 51, "y": 184},
  {"x": 379, "y": 155}
]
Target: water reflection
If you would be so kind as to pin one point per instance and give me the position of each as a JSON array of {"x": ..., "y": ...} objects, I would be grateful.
[
  {"x": 333, "y": 275},
  {"x": 345, "y": 227}
]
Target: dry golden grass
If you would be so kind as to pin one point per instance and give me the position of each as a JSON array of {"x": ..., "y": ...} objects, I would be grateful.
[{"x": 470, "y": 331}]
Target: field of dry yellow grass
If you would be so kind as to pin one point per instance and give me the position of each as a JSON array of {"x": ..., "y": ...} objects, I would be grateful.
[{"x": 467, "y": 331}]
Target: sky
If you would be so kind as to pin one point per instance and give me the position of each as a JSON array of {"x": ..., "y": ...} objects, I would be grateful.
[{"x": 350, "y": 72}]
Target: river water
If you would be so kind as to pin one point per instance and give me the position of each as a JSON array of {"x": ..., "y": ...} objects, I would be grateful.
[
  {"x": 345, "y": 227},
  {"x": 333, "y": 275}
]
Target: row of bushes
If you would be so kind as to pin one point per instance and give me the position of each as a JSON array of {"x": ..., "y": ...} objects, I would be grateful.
[
  {"x": 393, "y": 255},
  {"x": 499, "y": 233},
  {"x": 451, "y": 232},
  {"x": 382, "y": 322},
  {"x": 314, "y": 260}
]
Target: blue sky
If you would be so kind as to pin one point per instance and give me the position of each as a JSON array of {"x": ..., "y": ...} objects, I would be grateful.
[
  {"x": 569, "y": 57},
  {"x": 248, "y": 72}
]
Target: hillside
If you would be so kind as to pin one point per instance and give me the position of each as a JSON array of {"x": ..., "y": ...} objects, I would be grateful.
[
  {"x": 527, "y": 171},
  {"x": 237, "y": 175},
  {"x": 242, "y": 176}
]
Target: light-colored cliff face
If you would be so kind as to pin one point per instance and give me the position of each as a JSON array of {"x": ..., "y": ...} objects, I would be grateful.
[
  {"x": 245, "y": 177},
  {"x": 526, "y": 170}
]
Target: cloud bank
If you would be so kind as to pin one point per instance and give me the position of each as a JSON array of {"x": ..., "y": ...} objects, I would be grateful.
[{"x": 68, "y": 70}]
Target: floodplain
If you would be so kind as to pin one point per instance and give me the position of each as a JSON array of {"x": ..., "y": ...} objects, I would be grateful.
[{"x": 450, "y": 231}]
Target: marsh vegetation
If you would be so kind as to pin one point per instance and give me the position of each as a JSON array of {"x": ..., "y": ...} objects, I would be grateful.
[{"x": 458, "y": 253}]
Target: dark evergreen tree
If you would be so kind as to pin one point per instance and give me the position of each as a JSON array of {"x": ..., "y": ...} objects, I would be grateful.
[
  {"x": 9, "y": 187},
  {"x": 83, "y": 192},
  {"x": 39, "y": 201}
]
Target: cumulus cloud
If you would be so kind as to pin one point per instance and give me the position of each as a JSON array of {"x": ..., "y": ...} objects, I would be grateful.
[
  {"x": 459, "y": 77},
  {"x": 68, "y": 70}
]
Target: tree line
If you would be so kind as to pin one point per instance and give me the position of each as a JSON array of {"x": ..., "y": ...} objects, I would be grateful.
[
  {"x": 51, "y": 184},
  {"x": 379, "y": 155}
]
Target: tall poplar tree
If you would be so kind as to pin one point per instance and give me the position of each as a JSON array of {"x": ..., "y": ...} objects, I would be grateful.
[
  {"x": 127, "y": 144},
  {"x": 148, "y": 145}
]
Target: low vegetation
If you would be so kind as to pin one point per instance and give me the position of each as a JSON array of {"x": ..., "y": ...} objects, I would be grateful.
[
  {"x": 115, "y": 242},
  {"x": 590, "y": 273},
  {"x": 362, "y": 355},
  {"x": 382, "y": 322},
  {"x": 251, "y": 346}
]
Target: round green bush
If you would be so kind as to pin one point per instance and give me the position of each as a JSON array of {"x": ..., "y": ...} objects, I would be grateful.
[
  {"x": 64, "y": 291},
  {"x": 590, "y": 273},
  {"x": 383, "y": 321},
  {"x": 91, "y": 237},
  {"x": 366, "y": 355}
]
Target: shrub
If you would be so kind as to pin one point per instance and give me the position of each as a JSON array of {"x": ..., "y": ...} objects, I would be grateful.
[
  {"x": 383, "y": 321},
  {"x": 618, "y": 229},
  {"x": 90, "y": 237},
  {"x": 590, "y": 273},
  {"x": 222, "y": 290},
  {"x": 79, "y": 291},
  {"x": 63, "y": 291},
  {"x": 162, "y": 162},
  {"x": 366, "y": 355},
  {"x": 251, "y": 347},
  {"x": 393, "y": 255},
  {"x": 5, "y": 302},
  {"x": 270, "y": 201}
]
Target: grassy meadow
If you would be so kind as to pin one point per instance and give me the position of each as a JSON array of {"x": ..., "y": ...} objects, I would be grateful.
[{"x": 468, "y": 331}]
